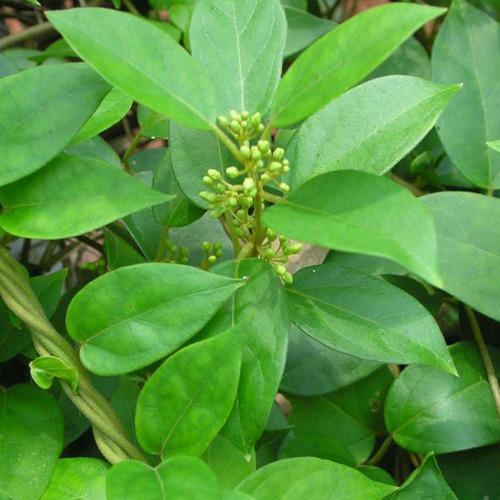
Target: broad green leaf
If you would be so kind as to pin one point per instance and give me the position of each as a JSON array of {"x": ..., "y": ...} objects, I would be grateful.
[
  {"x": 369, "y": 128},
  {"x": 153, "y": 125},
  {"x": 425, "y": 482},
  {"x": 229, "y": 464},
  {"x": 467, "y": 50},
  {"x": 111, "y": 110},
  {"x": 58, "y": 49},
  {"x": 180, "y": 211},
  {"x": 31, "y": 435},
  {"x": 377, "y": 474},
  {"x": 369, "y": 264},
  {"x": 78, "y": 478},
  {"x": 410, "y": 58},
  {"x": 48, "y": 290},
  {"x": 141, "y": 60},
  {"x": 303, "y": 29},
  {"x": 70, "y": 196},
  {"x": 192, "y": 153},
  {"x": 430, "y": 410},
  {"x": 297, "y": 4},
  {"x": 319, "y": 417},
  {"x": 7, "y": 67},
  {"x": 495, "y": 145},
  {"x": 139, "y": 314},
  {"x": 120, "y": 253},
  {"x": 366, "y": 317},
  {"x": 359, "y": 212},
  {"x": 468, "y": 254},
  {"x": 474, "y": 473},
  {"x": 184, "y": 404},
  {"x": 259, "y": 312},
  {"x": 45, "y": 368},
  {"x": 96, "y": 147},
  {"x": 299, "y": 478},
  {"x": 313, "y": 369},
  {"x": 331, "y": 65},
  {"x": 175, "y": 478},
  {"x": 240, "y": 44},
  {"x": 35, "y": 129}
]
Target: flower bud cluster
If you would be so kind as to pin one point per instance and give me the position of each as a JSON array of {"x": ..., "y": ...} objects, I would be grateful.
[
  {"x": 175, "y": 254},
  {"x": 211, "y": 252},
  {"x": 241, "y": 126}
]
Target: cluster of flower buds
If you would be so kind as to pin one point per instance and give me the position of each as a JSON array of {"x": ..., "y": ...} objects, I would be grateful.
[
  {"x": 276, "y": 249},
  {"x": 175, "y": 254},
  {"x": 211, "y": 252},
  {"x": 98, "y": 266},
  {"x": 242, "y": 126}
]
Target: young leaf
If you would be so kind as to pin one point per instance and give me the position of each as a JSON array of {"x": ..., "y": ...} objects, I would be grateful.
[
  {"x": 45, "y": 108},
  {"x": 359, "y": 212},
  {"x": 369, "y": 128},
  {"x": 429, "y": 410},
  {"x": 259, "y": 312},
  {"x": 141, "y": 60},
  {"x": 299, "y": 478},
  {"x": 427, "y": 478},
  {"x": 467, "y": 50},
  {"x": 313, "y": 369},
  {"x": 45, "y": 368},
  {"x": 468, "y": 255},
  {"x": 70, "y": 196},
  {"x": 111, "y": 110},
  {"x": 136, "y": 315},
  {"x": 187, "y": 400},
  {"x": 31, "y": 435},
  {"x": 240, "y": 44},
  {"x": 175, "y": 478},
  {"x": 331, "y": 66},
  {"x": 82, "y": 478},
  {"x": 365, "y": 317}
]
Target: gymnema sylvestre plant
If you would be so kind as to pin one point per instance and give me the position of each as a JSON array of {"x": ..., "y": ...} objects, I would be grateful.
[{"x": 205, "y": 364}]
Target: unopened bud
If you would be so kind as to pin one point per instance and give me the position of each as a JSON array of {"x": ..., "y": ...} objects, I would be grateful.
[
  {"x": 235, "y": 127},
  {"x": 208, "y": 181},
  {"x": 232, "y": 172},
  {"x": 248, "y": 184},
  {"x": 256, "y": 119},
  {"x": 212, "y": 259},
  {"x": 280, "y": 270},
  {"x": 234, "y": 115},
  {"x": 287, "y": 278},
  {"x": 263, "y": 146},
  {"x": 214, "y": 174},
  {"x": 222, "y": 121},
  {"x": 278, "y": 154},
  {"x": 270, "y": 253},
  {"x": 274, "y": 167},
  {"x": 245, "y": 152},
  {"x": 284, "y": 187}
]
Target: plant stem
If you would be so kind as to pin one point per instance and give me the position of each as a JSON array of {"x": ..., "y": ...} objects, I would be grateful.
[
  {"x": 408, "y": 185},
  {"x": 162, "y": 245},
  {"x": 266, "y": 134},
  {"x": 27, "y": 34},
  {"x": 18, "y": 295},
  {"x": 271, "y": 197},
  {"x": 228, "y": 143},
  {"x": 381, "y": 451},
  {"x": 485, "y": 356},
  {"x": 131, "y": 7},
  {"x": 228, "y": 227},
  {"x": 130, "y": 151}
]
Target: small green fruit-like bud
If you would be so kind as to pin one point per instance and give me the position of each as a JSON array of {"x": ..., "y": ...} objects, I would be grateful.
[
  {"x": 285, "y": 169},
  {"x": 256, "y": 154},
  {"x": 270, "y": 253},
  {"x": 212, "y": 259},
  {"x": 278, "y": 154},
  {"x": 263, "y": 146},
  {"x": 215, "y": 214},
  {"x": 280, "y": 270},
  {"x": 293, "y": 249},
  {"x": 271, "y": 234},
  {"x": 235, "y": 126},
  {"x": 232, "y": 202},
  {"x": 241, "y": 214},
  {"x": 218, "y": 253},
  {"x": 246, "y": 201},
  {"x": 284, "y": 187},
  {"x": 220, "y": 187},
  {"x": 207, "y": 246},
  {"x": 259, "y": 164},
  {"x": 208, "y": 181},
  {"x": 239, "y": 232},
  {"x": 282, "y": 239},
  {"x": 248, "y": 184},
  {"x": 245, "y": 115},
  {"x": 274, "y": 167},
  {"x": 245, "y": 152},
  {"x": 260, "y": 128},
  {"x": 222, "y": 121},
  {"x": 214, "y": 174},
  {"x": 256, "y": 119},
  {"x": 210, "y": 197},
  {"x": 265, "y": 178},
  {"x": 234, "y": 115},
  {"x": 287, "y": 278},
  {"x": 244, "y": 123},
  {"x": 232, "y": 172}
]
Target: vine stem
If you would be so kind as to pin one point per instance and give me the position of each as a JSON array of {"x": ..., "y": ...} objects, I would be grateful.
[
  {"x": 18, "y": 295},
  {"x": 271, "y": 197},
  {"x": 228, "y": 143},
  {"x": 485, "y": 356},
  {"x": 27, "y": 34},
  {"x": 380, "y": 452}
]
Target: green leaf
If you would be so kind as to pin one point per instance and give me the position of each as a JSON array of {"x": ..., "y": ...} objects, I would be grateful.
[
  {"x": 70, "y": 196},
  {"x": 330, "y": 302},
  {"x": 320, "y": 418},
  {"x": 312, "y": 369},
  {"x": 136, "y": 315},
  {"x": 184, "y": 404},
  {"x": 303, "y": 29},
  {"x": 381, "y": 121},
  {"x": 34, "y": 130},
  {"x": 359, "y": 212},
  {"x": 31, "y": 435},
  {"x": 473, "y": 473},
  {"x": 466, "y": 50},
  {"x": 7, "y": 67},
  {"x": 58, "y": 49},
  {"x": 119, "y": 253},
  {"x": 141, "y": 60},
  {"x": 495, "y": 145},
  {"x": 111, "y": 110},
  {"x": 192, "y": 153},
  {"x": 299, "y": 478},
  {"x": 368, "y": 264},
  {"x": 96, "y": 147},
  {"x": 175, "y": 478},
  {"x": 229, "y": 464},
  {"x": 240, "y": 44},
  {"x": 153, "y": 125},
  {"x": 320, "y": 74},
  {"x": 410, "y": 58},
  {"x": 429, "y": 410},
  {"x": 425, "y": 482},
  {"x": 259, "y": 312},
  {"x": 468, "y": 255},
  {"x": 45, "y": 368},
  {"x": 78, "y": 478}
]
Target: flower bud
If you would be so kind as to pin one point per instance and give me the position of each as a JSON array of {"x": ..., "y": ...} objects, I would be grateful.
[
  {"x": 234, "y": 115},
  {"x": 235, "y": 127},
  {"x": 278, "y": 154},
  {"x": 220, "y": 187},
  {"x": 208, "y": 181},
  {"x": 256, "y": 119},
  {"x": 245, "y": 152},
  {"x": 245, "y": 115},
  {"x": 222, "y": 121},
  {"x": 214, "y": 174},
  {"x": 285, "y": 169},
  {"x": 265, "y": 178},
  {"x": 212, "y": 259},
  {"x": 270, "y": 254},
  {"x": 207, "y": 246},
  {"x": 263, "y": 146},
  {"x": 232, "y": 202},
  {"x": 260, "y": 128},
  {"x": 284, "y": 187},
  {"x": 293, "y": 249},
  {"x": 232, "y": 172},
  {"x": 274, "y": 167},
  {"x": 248, "y": 184},
  {"x": 256, "y": 154},
  {"x": 287, "y": 278},
  {"x": 208, "y": 196},
  {"x": 271, "y": 234},
  {"x": 280, "y": 269}
]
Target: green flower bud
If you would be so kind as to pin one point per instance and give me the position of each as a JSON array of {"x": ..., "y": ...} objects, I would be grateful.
[
  {"x": 278, "y": 154},
  {"x": 208, "y": 196},
  {"x": 265, "y": 178},
  {"x": 260, "y": 164},
  {"x": 271, "y": 234},
  {"x": 245, "y": 152},
  {"x": 256, "y": 154},
  {"x": 280, "y": 269},
  {"x": 234, "y": 115},
  {"x": 244, "y": 123},
  {"x": 218, "y": 254},
  {"x": 207, "y": 246},
  {"x": 232, "y": 172},
  {"x": 285, "y": 169},
  {"x": 260, "y": 128},
  {"x": 256, "y": 119},
  {"x": 284, "y": 187},
  {"x": 212, "y": 259},
  {"x": 293, "y": 249},
  {"x": 248, "y": 184},
  {"x": 282, "y": 239},
  {"x": 246, "y": 201},
  {"x": 245, "y": 115},
  {"x": 222, "y": 121},
  {"x": 214, "y": 174},
  {"x": 220, "y": 187},
  {"x": 270, "y": 254},
  {"x": 232, "y": 202},
  {"x": 208, "y": 181},
  {"x": 239, "y": 232},
  {"x": 287, "y": 278},
  {"x": 184, "y": 260},
  {"x": 235, "y": 127},
  {"x": 241, "y": 214},
  {"x": 263, "y": 146},
  {"x": 215, "y": 214},
  {"x": 184, "y": 251},
  {"x": 274, "y": 167}
]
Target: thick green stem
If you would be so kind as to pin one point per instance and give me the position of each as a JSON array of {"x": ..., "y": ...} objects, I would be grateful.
[
  {"x": 228, "y": 143},
  {"x": 16, "y": 292},
  {"x": 130, "y": 151},
  {"x": 485, "y": 356},
  {"x": 381, "y": 452}
]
